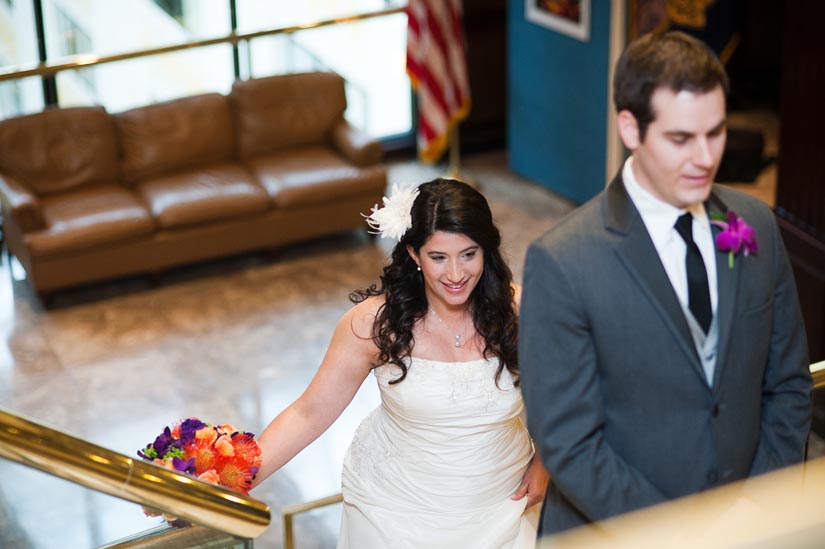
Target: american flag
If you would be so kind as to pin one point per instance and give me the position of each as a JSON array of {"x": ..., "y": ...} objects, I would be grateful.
[{"x": 437, "y": 68}]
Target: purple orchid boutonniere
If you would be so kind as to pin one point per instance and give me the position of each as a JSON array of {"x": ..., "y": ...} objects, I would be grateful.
[{"x": 736, "y": 235}]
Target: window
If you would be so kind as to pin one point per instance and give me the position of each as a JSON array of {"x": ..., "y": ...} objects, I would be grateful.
[
  {"x": 370, "y": 55},
  {"x": 72, "y": 39},
  {"x": 137, "y": 25},
  {"x": 18, "y": 46},
  {"x": 172, "y": 7}
]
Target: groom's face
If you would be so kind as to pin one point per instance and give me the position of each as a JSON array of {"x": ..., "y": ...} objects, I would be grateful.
[{"x": 682, "y": 148}]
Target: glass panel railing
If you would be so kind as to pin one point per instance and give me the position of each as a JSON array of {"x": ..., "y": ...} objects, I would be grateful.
[
  {"x": 257, "y": 15},
  {"x": 32, "y": 448},
  {"x": 41, "y": 511},
  {"x": 103, "y": 28},
  {"x": 142, "y": 81},
  {"x": 369, "y": 54},
  {"x": 367, "y": 49},
  {"x": 23, "y": 96},
  {"x": 291, "y": 512},
  {"x": 188, "y": 537}
]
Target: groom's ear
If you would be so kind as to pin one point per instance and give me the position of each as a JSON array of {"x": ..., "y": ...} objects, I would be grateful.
[{"x": 628, "y": 129}]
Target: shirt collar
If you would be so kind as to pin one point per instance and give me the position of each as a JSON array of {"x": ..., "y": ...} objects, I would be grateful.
[{"x": 659, "y": 216}]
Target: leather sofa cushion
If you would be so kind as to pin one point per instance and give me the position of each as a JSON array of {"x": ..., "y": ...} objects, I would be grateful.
[
  {"x": 20, "y": 205},
  {"x": 89, "y": 216},
  {"x": 174, "y": 135},
  {"x": 355, "y": 145},
  {"x": 59, "y": 149},
  {"x": 187, "y": 198},
  {"x": 289, "y": 110},
  {"x": 310, "y": 175}
]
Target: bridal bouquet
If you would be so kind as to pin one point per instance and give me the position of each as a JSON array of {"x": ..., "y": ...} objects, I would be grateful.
[{"x": 220, "y": 454}]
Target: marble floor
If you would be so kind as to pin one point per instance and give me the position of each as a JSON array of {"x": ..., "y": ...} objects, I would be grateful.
[{"x": 228, "y": 341}]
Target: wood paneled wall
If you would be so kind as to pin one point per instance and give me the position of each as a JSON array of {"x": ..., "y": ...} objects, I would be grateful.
[
  {"x": 485, "y": 27},
  {"x": 800, "y": 197}
]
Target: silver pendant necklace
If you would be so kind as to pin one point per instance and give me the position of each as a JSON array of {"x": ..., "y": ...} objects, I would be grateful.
[{"x": 457, "y": 337}]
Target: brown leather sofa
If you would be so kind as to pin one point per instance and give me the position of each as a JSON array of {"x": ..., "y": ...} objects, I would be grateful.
[{"x": 88, "y": 195}]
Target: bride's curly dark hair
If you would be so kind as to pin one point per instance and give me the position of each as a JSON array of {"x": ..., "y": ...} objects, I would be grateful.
[{"x": 450, "y": 206}]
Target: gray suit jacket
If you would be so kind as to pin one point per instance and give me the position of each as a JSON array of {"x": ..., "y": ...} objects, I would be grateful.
[{"x": 617, "y": 401}]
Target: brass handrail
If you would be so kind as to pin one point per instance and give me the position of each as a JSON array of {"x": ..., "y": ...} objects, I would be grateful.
[
  {"x": 289, "y": 511},
  {"x": 57, "y": 453},
  {"x": 16, "y": 72},
  {"x": 779, "y": 509},
  {"x": 818, "y": 373}
]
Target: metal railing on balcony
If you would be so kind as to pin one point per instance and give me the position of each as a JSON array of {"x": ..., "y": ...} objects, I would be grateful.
[
  {"x": 376, "y": 105},
  {"x": 62, "y": 455},
  {"x": 74, "y": 62}
]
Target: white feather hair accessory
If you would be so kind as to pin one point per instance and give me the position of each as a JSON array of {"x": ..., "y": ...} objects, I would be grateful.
[{"x": 394, "y": 218}]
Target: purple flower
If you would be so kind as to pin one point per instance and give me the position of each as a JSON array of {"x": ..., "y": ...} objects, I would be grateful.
[
  {"x": 188, "y": 429},
  {"x": 736, "y": 235},
  {"x": 184, "y": 466},
  {"x": 163, "y": 442}
]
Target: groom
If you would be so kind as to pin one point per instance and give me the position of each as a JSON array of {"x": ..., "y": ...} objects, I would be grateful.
[{"x": 655, "y": 361}]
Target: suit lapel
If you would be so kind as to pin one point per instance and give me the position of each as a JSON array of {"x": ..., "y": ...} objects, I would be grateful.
[
  {"x": 727, "y": 287},
  {"x": 639, "y": 256}
]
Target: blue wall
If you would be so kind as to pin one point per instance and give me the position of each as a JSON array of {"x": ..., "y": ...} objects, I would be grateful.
[{"x": 557, "y": 99}]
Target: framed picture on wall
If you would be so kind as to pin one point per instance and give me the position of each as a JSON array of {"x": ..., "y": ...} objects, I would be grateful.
[{"x": 570, "y": 17}]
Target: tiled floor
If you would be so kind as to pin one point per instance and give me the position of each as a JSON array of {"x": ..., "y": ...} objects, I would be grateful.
[{"x": 234, "y": 340}]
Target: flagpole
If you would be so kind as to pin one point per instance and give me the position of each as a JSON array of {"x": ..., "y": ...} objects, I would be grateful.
[{"x": 454, "y": 167}]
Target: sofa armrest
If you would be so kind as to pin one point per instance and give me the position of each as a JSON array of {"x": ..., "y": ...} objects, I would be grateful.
[
  {"x": 21, "y": 204},
  {"x": 355, "y": 145}
]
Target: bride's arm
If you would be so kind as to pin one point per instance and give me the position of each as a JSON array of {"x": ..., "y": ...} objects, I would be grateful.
[
  {"x": 536, "y": 478},
  {"x": 534, "y": 483},
  {"x": 345, "y": 366}
]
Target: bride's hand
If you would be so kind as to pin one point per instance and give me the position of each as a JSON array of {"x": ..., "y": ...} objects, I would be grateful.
[{"x": 534, "y": 483}]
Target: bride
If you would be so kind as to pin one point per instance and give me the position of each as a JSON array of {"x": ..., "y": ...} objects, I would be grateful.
[{"x": 445, "y": 460}]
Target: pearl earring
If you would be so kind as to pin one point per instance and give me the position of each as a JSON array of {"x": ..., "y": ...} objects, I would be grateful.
[{"x": 419, "y": 267}]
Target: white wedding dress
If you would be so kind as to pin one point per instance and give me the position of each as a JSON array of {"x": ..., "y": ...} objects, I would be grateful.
[{"x": 435, "y": 465}]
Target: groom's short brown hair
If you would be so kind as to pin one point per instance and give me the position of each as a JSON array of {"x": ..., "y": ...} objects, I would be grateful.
[{"x": 673, "y": 60}]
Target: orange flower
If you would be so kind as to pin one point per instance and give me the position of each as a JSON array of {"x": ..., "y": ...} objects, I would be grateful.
[
  {"x": 223, "y": 446},
  {"x": 217, "y": 454},
  {"x": 210, "y": 476},
  {"x": 207, "y": 434},
  {"x": 201, "y": 450},
  {"x": 227, "y": 429},
  {"x": 247, "y": 449},
  {"x": 236, "y": 475}
]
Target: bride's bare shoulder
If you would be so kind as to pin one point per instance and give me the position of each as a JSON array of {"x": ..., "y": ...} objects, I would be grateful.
[
  {"x": 362, "y": 316},
  {"x": 516, "y": 295}
]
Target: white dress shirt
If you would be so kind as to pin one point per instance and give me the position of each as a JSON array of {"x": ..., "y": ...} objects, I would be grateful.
[{"x": 660, "y": 219}]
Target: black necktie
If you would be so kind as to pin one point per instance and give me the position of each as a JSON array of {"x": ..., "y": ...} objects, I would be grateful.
[{"x": 697, "y": 276}]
